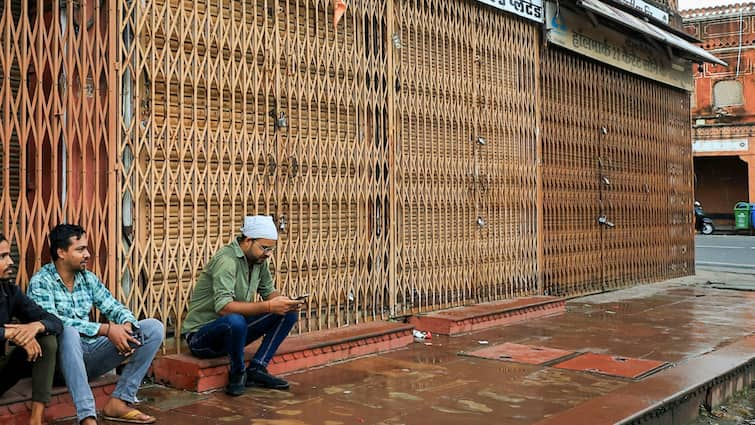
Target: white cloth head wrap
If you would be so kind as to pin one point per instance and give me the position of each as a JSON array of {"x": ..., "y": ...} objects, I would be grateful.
[{"x": 259, "y": 227}]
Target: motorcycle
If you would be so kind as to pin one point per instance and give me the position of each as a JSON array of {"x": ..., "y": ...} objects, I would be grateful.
[{"x": 703, "y": 224}]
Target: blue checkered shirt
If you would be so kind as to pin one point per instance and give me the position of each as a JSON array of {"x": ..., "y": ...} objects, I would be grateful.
[{"x": 47, "y": 289}]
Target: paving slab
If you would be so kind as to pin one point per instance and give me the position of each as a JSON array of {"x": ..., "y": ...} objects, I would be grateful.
[
  {"x": 606, "y": 364},
  {"x": 519, "y": 353}
]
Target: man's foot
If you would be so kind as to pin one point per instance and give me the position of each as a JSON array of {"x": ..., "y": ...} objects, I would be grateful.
[
  {"x": 89, "y": 421},
  {"x": 37, "y": 413},
  {"x": 236, "y": 385},
  {"x": 119, "y": 411},
  {"x": 259, "y": 376}
]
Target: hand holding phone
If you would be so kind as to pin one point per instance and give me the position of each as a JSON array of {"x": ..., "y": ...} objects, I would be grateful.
[
  {"x": 137, "y": 334},
  {"x": 302, "y": 297}
]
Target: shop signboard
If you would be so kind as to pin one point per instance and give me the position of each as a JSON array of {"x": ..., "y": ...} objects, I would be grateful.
[
  {"x": 530, "y": 9},
  {"x": 576, "y": 32}
]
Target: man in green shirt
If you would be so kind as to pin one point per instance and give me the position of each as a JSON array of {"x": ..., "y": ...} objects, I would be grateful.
[{"x": 224, "y": 315}]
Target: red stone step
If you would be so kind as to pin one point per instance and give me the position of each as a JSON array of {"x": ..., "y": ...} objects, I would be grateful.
[
  {"x": 480, "y": 316},
  {"x": 297, "y": 352},
  {"x": 15, "y": 405}
]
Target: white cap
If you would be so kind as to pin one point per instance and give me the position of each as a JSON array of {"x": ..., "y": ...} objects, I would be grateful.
[{"x": 259, "y": 227}]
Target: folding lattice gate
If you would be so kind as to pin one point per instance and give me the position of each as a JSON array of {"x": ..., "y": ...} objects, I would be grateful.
[
  {"x": 466, "y": 145},
  {"x": 617, "y": 147},
  {"x": 399, "y": 152},
  {"x": 260, "y": 107},
  {"x": 57, "y": 132}
]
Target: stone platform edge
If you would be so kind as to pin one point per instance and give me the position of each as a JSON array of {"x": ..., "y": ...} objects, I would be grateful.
[
  {"x": 467, "y": 319},
  {"x": 674, "y": 395},
  {"x": 16, "y": 410},
  {"x": 298, "y": 352}
]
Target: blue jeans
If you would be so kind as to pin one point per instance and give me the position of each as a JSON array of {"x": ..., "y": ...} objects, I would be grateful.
[
  {"x": 81, "y": 361},
  {"x": 229, "y": 334}
]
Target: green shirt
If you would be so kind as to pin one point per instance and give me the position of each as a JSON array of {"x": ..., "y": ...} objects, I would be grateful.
[{"x": 227, "y": 277}]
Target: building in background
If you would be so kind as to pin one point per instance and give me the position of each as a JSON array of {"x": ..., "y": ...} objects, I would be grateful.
[{"x": 723, "y": 107}]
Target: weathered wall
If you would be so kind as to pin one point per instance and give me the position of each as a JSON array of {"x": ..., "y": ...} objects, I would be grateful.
[{"x": 729, "y": 33}]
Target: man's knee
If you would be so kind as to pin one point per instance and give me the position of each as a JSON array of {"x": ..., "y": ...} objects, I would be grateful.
[
  {"x": 69, "y": 346},
  {"x": 237, "y": 322},
  {"x": 70, "y": 337},
  {"x": 152, "y": 329},
  {"x": 48, "y": 343}
]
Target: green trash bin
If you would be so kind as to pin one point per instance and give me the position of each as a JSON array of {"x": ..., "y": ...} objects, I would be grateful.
[{"x": 742, "y": 215}]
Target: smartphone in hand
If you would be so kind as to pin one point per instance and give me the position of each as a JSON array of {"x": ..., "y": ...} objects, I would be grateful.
[
  {"x": 137, "y": 334},
  {"x": 302, "y": 297}
]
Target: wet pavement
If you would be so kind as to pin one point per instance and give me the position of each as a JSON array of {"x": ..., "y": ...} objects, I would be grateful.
[{"x": 434, "y": 382}]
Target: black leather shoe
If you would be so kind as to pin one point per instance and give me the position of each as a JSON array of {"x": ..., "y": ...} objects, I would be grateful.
[
  {"x": 236, "y": 383},
  {"x": 258, "y": 376}
]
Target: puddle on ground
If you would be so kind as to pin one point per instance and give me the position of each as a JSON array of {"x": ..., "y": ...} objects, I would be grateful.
[
  {"x": 404, "y": 396},
  {"x": 164, "y": 398},
  {"x": 447, "y": 410},
  {"x": 500, "y": 397},
  {"x": 475, "y": 406},
  {"x": 267, "y": 394},
  {"x": 337, "y": 389},
  {"x": 234, "y": 418}
]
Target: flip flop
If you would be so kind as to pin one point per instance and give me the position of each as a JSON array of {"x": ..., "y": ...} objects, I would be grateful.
[{"x": 131, "y": 418}]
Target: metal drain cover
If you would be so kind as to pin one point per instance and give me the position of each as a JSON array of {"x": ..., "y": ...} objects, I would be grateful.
[
  {"x": 606, "y": 364},
  {"x": 528, "y": 354}
]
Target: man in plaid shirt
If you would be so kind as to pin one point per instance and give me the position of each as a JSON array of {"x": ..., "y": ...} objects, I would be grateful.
[{"x": 88, "y": 349}]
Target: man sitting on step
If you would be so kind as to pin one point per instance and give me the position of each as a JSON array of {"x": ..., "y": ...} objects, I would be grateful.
[
  {"x": 35, "y": 340},
  {"x": 88, "y": 349},
  {"x": 224, "y": 315}
]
